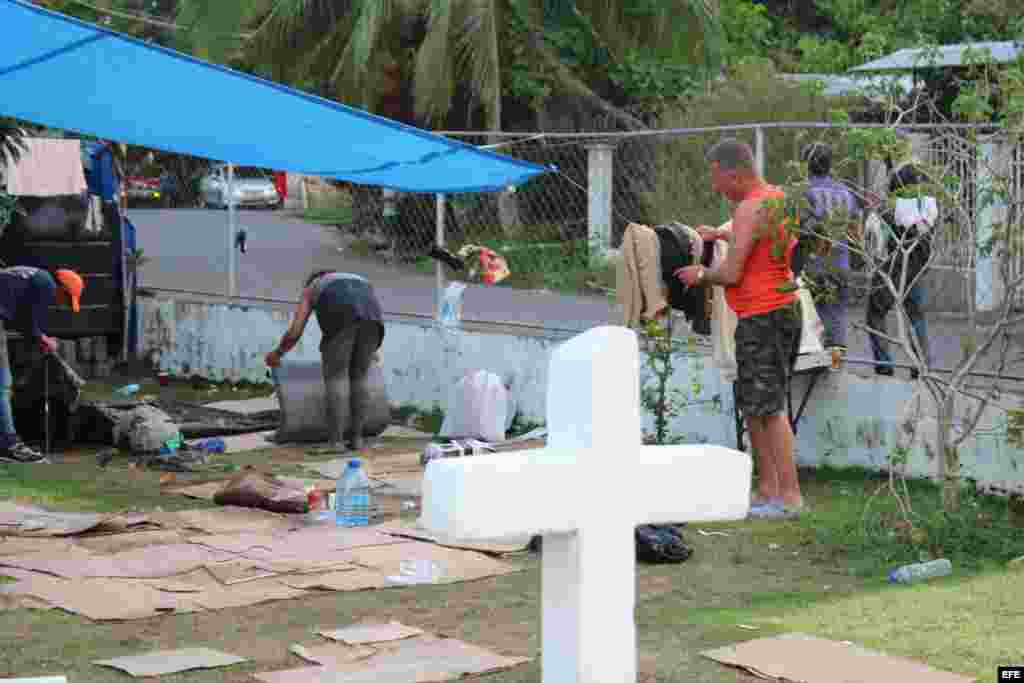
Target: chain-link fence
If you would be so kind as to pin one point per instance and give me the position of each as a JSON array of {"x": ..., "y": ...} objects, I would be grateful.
[{"x": 548, "y": 228}]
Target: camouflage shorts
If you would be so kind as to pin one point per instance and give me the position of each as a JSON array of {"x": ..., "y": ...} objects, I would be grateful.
[{"x": 766, "y": 349}]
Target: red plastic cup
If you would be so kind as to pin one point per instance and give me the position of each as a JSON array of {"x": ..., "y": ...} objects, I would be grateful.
[{"x": 164, "y": 379}]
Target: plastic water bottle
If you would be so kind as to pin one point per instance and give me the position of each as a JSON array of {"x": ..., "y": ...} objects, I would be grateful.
[
  {"x": 921, "y": 571},
  {"x": 352, "y": 499}
]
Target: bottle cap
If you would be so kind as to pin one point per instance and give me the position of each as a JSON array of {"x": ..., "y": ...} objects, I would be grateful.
[{"x": 354, "y": 463}]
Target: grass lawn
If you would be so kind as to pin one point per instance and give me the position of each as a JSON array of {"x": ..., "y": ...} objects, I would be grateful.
[
  {"x": 773, "y": 576},
  {"x": 328, "y": 215}
]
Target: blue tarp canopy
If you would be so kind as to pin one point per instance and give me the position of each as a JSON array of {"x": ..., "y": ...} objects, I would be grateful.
[{"x": 68, "y": 74}]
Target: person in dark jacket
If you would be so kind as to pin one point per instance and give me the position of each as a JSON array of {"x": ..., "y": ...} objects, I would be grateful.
[
  {"x": 911, "y": 231},
  {"x": 351, "y": 322},
  {"x": 26, "y": 294}
]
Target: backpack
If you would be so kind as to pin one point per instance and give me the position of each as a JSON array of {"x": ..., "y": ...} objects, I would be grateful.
[{"x": 660, "y": 544}]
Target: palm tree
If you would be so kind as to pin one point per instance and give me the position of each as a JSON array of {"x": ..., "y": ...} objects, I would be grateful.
[
  {"x": 344, "y": 47},
  {"x": 12, "y": 137}
]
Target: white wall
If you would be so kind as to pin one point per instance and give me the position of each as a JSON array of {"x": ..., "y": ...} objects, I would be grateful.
[{"x": 850, "y": 420}]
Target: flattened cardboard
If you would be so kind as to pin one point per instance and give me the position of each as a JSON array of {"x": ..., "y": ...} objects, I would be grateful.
[
  {"x": 456, "y": 565},
  {"x": 331, "y": 655},
  {"x": 366, "y": 634},
  {"x": 227, "y": 519},
  {"x": 411, "y": 529},
  {"x": 412, "y": 661},
  {"x": 115, "y": 543},
  {"x": 238, "y": 571},
  {"x": 171, "y": 661},
  {"x": 801, "y": 658},
  {"x": 103, "y": 599},
  {"x": 200, "y": 491},
  {"x": 141, "y": 563},
  {"x": 51, "y": 561},
  {"x": 10, "y": 603},
  {"x": 208, "y": 490},
  {"x": 409, "y": 484},
  {"x": 25, "y": 545},
  {"x": 355, "y": 579},
  {"x": 27, "y": 520}
]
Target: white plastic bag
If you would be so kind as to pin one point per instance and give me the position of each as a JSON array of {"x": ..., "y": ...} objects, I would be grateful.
[
  {"x": 810, "y": 336},
  {"x": 451, "y": 305},
  {"x": 477, "y": 408}
]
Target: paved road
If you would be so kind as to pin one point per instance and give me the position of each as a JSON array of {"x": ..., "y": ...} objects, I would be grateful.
[{"x": 188, "y": 250}]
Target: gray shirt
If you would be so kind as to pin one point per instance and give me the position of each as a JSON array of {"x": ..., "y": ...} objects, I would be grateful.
[{"x": 342, "y": 300}]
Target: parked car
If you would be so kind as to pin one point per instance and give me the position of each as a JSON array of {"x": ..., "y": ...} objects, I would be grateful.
[
  {"x": 142, "y": 188},
  {"x": 253, "y": 187}
]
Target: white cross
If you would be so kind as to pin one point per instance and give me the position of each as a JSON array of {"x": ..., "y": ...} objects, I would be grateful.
[{"x": 586, "y": 493}]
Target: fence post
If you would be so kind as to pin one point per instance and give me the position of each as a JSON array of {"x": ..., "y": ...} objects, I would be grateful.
[
  {"x": 759, "y": 150},
  {"x": 232, "y": 230},
  {"x": 438, "y": 266},
  {"x": 988, "y": 281},
  {"x": 600, "y": 158}
]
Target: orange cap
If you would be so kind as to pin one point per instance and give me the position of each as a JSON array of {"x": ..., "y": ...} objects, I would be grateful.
[{"x": 73, "y": 285}]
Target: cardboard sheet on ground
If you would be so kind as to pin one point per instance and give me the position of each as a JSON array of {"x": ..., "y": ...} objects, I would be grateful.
[
  {"x": 227, "y": 519},
  {"x": 28, "y": 520},
  {"x": 416, "y": 660},
  {"x": 331, "y": 655},
  {"x": 351, "y": 578},
  {"x": 202, "y": 589},
  {"x": 115, "y": 543},
  {"x": 151, "y": 562},
  {"x": 103, "y": 599},
  {"x": 411, "y": 529},
  {"x": 171, "y": 661},
  {"x": 23, "y": 520},
  {"x": 25, "y": 545},
  {"x": 209, "y": 489},
  {"x": 800, "y": 658},
  {"x": 404, "y": 484},
  {"x": 239, "y": 571},
  {"x": 311, "y": 544},
  {"x": 456, "y": 565},
  {"x": 363, "y": 634},
  {"x": 252, "y": 406}
]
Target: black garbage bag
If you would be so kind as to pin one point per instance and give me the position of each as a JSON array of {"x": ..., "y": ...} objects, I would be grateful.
[{"x": 661, "y": 544}]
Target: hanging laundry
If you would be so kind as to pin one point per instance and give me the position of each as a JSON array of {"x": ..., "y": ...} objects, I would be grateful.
[
  {"x": 485, "y": 262},
  {"x": 640, "y": 289},
  {"x": 682, "y": 246},
  {"x": 48, "y": 167}
]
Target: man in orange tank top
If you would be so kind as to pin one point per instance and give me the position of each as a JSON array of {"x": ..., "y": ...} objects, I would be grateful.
[{"x": 759, "y": 287}]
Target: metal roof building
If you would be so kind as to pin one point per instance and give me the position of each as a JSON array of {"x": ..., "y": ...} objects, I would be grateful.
[{"x": 944, "y": 56}]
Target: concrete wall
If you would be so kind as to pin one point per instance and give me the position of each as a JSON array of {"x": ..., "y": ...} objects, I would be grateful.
[{"x": 850, "y": 419}]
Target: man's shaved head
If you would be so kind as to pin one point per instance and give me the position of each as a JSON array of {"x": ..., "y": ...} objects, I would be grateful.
[{"x": 732, "y": 155}]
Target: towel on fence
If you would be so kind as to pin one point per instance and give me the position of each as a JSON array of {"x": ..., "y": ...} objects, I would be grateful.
[
  {"x": 723, "y": 320},
  {"x": 639, "y": 287},
  {"x": 47, "y": 168}
]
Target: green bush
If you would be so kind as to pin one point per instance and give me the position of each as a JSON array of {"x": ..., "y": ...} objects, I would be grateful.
[{"x": 862, "y": 528}]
